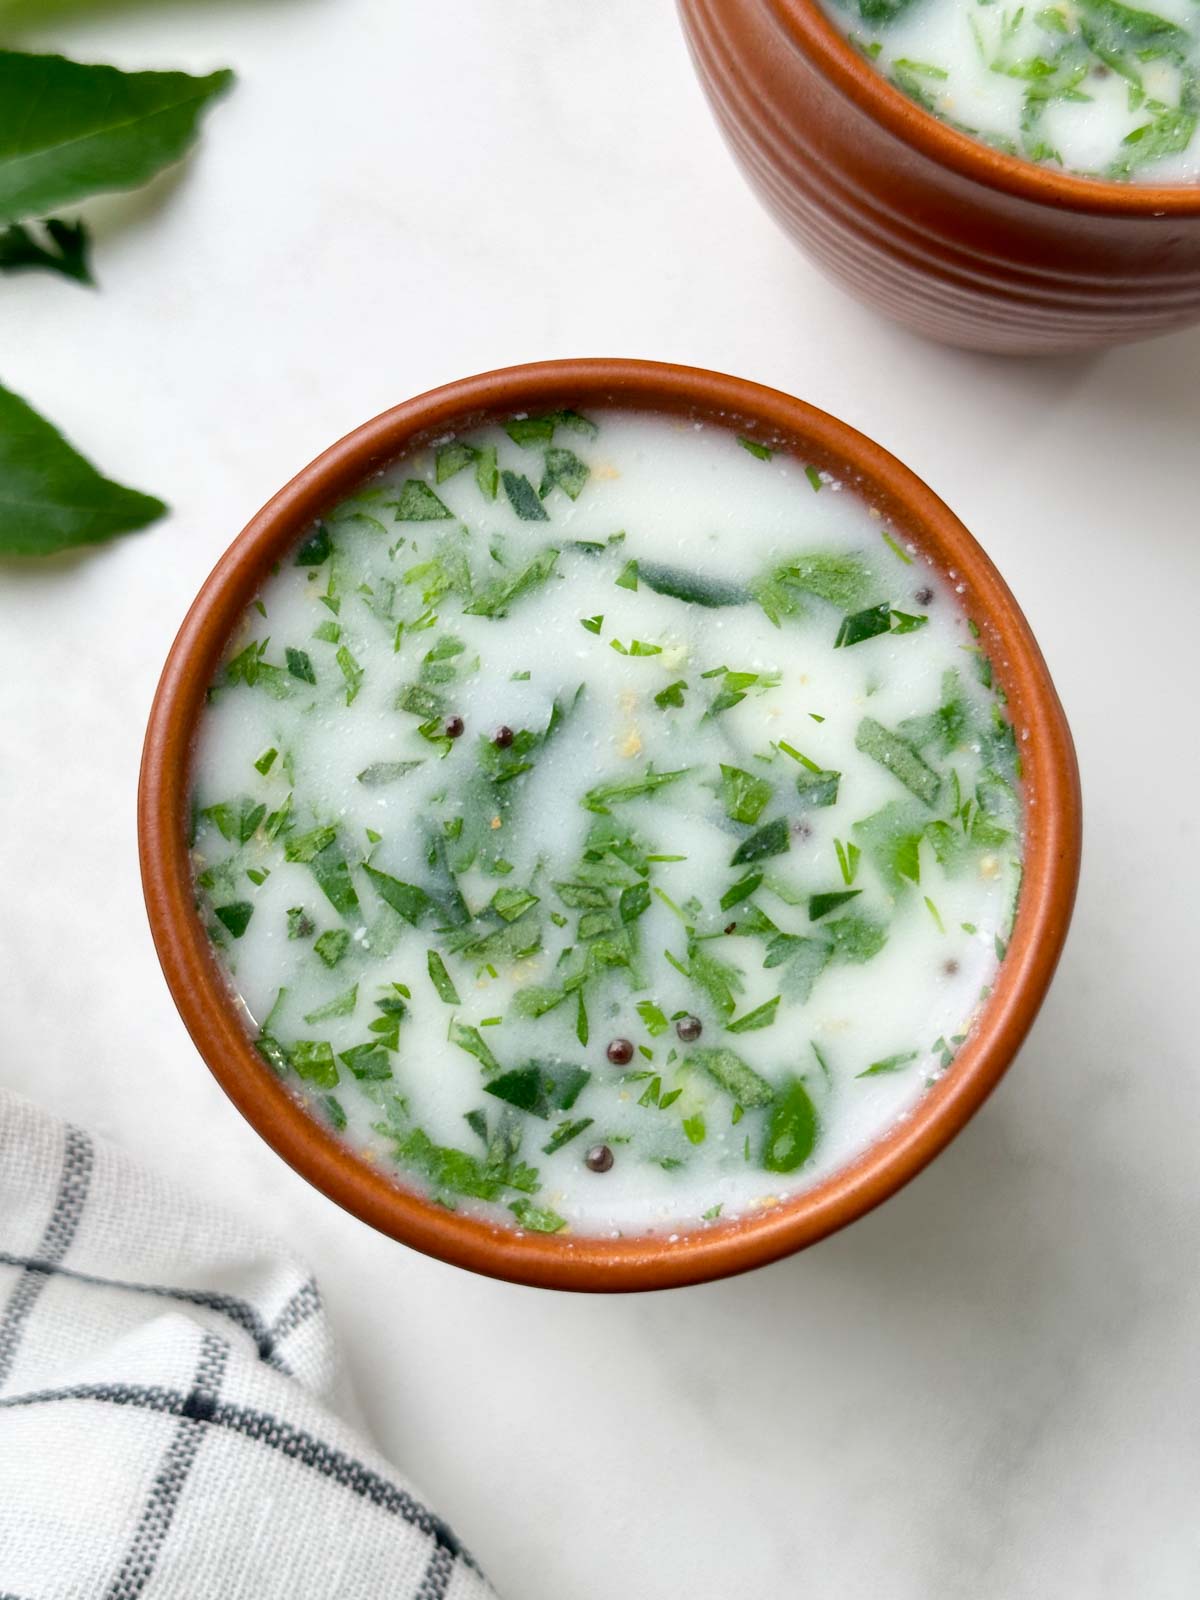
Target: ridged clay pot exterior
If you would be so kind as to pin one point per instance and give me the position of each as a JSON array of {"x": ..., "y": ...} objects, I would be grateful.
[
  {"x": 218, "y": 1025},
  {"x": 954, "y": 239}
]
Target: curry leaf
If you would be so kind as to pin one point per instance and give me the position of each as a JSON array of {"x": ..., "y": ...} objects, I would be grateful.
[
  {"x": 69, "y": 130},
  {"x": 64, "y": 249},
  {"x": 50, "y": 497}
]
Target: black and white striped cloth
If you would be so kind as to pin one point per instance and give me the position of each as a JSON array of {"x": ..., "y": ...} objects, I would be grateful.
[{"x": 169, "y": 1421}]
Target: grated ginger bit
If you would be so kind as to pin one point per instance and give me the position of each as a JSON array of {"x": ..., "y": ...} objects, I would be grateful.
[
  {"x": 495, "y": 822},
  {"x": 605, "y": 470},
  {"x": 631, "y": 744},
  {"x": 764, "y": 1202},
  {"x": 627, "y": 699},
  {"x": 989, "y": 867}
]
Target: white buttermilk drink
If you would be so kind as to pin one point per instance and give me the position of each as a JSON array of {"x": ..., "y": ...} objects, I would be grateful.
[
  {"x": 1092, "y": 87},
  {"x": 608, "y": 824}
]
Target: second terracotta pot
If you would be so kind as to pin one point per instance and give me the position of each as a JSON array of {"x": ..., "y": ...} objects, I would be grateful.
[{"x": 950, "y": 237}]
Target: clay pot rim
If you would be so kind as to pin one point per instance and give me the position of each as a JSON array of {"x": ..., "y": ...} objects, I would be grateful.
[
  {"x": 211, "y": 1014},
  {"x": 829, "y": 50}
]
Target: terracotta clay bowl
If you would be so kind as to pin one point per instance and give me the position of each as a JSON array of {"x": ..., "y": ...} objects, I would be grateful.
[
  {"x": 1051, "y": 802},
  {"x": 954, "y": 239}
]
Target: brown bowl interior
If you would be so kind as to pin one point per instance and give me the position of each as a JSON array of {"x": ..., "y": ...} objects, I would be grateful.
[
  {"x": 807, "y": 24},
  {"x": 1052, "y": 819}
]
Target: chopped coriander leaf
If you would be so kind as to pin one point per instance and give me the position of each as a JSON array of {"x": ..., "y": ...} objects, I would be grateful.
[
  {"x": 513, "y": 903},
  {"x": 818, "y": 789},
  {"x": 856, "y": 938},
  {"x": 605, "y": 795},
  {"x": 743, "y": 796},
  {"x": 692, "y": 587},
  {"x": 564, "y": 1133},
  {"x": 896, "y": 550},
  {"x": 759, "y": 451},
  {"x": 537, "y": 1219},
  {"x": 733, "y": 1075},
  {"x": 592, "y": 624},
  {"x": 335, "y": 1113},
  {"x": 316, "y": 549},
  {"x": 235, "y": 917},
  {"x": 418, "y": 503},
  {"x": 452, "y": 1171},
  {"x": 637, "y": 647},
  {"x": 672, "y": 695},
  {"x": 351, "y": 671},
  {"x": 541, "y": 1087},
  {"x": 891, "y": 839},
  {"x": 412, "y": 902},
  {"x": 839, "y": 579},
  {"x": 792, "y": 1129},
  {"x": 734, "y": 687},
  {"x": 452, "y": 458},
  {"x": 322, "y": 853},
  {"x": 300, "y": 666},
  {"x": 530, "y": 431},
  {"x": 299, "y": 924},
  {"x": 814, "y": 478},
  {"x": 717, "y": 980},
  {"x": 564, "y": 470},
  {"x": 790, "y": 750},
  {"x": 487, "y": 472},
  {"x": 236, "y": 820},
  {"x": 634, "y": 902},
  {"x": 772, "y": 840},
  {"x": 494, "y": 599},
  {"x": 656, "y": 1023},
  {"x": 820, "y": 905},
  {"x": 332, "y": 946},
  {"x": 761, "y": 1017},
  {"x": 848, "y": 857},
  {"x": 900, "y": 758},
  {"x": 313, "y": 1061},
  {"x": 266, "y": 761},
  {"x": 441, "y": 979},
  {"x": 536, "y": 999},
  {"x": 523, "y": 497},
  {"x": 863, "y": 625},
  {"x": 628, "y": 576},
  {"x": 472, "y": 1041},
  {"x": 380, "y": 773},
  {"x": 888, "y": 1064},
  {"x": 341, "y": 1006},
  {"x": 741, "y": 890}
]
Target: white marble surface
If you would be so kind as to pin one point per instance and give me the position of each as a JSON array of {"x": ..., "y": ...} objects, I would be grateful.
[{"x": 987, "y": 1389}]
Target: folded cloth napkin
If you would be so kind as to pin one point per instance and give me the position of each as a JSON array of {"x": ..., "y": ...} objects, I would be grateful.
[{"x": 168, "y": 1393}]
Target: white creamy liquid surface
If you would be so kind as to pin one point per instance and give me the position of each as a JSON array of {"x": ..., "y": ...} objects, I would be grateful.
[
  {"x": 1095, "y": 89},
  {"x": 690, "y": 496}
]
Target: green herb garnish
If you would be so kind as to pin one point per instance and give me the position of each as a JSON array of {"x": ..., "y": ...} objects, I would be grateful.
[{"x": 441, "y": 979}]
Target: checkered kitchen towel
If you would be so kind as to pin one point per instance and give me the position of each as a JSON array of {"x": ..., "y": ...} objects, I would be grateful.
[{"x": 167, "y": 1403}]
